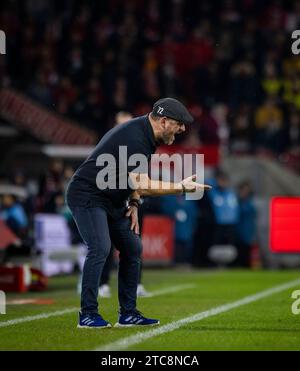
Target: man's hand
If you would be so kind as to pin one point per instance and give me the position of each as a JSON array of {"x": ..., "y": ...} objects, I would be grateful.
[
  {"x": 133, "y": 214},
  {"x": 189, "y": 185}
]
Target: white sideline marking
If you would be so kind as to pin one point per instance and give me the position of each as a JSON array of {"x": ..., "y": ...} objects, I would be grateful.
[
  {"x": 71, "y": 310},
  {"x": 142, "y": 336},
  {"x": 168, "y": 290},
  {"x": 37, "y": 317}
]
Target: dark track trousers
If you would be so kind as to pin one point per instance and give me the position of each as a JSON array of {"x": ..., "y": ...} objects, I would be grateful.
[{"x": 99, "y": 231}]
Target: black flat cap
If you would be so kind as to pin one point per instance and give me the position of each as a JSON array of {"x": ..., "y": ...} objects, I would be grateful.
[{"x": 172, "y": 108}]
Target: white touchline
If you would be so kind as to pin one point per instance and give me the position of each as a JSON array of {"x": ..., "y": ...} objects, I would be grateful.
[
  {"x": 168, "y": 290},
  {"x": 16, "y": 321},
  {"x": 142, "y": 336},
  {"x": 71, "y": 310}
]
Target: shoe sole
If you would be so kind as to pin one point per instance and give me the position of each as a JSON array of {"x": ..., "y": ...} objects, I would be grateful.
[
  {"x": 95, "y": 327},
  {"x": 133, "y": 325}
]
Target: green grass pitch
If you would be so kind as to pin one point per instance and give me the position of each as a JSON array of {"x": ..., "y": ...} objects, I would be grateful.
[{"x": 266, "y": 324}]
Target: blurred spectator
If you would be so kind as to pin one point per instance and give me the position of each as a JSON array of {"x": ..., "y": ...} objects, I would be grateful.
[
  {"x": 291, "y": 82},
  {"x": 67, "y": 175},
  {"x": 40, "y": 91},
  {"x": 246, "y": 227},
  {"x": 244, "y": 86},
  {"x": 271, "y": 83},
  {"x": 209, "y": 131},
  {"x": 224, "y": 203},
  {"x": 240, "y": 131},
  {"x": 28, "y": 203},
  {"x": 184, "y": 214},
  {"x": 51, "y": 183},
  {"x": 19, "y": 179},
  {"x": 269, "y": 126},
  {"x": 217, "y": 219},
  {"x": 220, "y": 115},
  {"x": 12, "y": 212}
]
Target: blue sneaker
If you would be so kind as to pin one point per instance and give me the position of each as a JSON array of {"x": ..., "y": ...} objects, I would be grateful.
[
  {"x": 92, "y": 320},
  {"x": 135, "y": 318}
]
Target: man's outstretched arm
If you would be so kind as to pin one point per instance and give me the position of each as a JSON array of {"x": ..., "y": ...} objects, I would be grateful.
[{"x": 144, "y": 186}]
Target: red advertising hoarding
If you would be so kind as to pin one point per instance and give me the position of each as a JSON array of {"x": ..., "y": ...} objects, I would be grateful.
[
  {"x": 158, "y": 240},
  {"x": 285, "y": 225}
]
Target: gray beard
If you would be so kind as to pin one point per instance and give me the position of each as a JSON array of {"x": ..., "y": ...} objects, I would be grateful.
[{"x": 160, "y": 141}]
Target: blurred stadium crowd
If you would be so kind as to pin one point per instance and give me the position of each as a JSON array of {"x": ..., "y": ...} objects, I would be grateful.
[{"x": 229, "y": 61}]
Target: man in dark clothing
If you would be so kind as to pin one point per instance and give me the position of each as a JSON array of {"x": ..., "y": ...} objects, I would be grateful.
[{"x": 97, "y": 196}]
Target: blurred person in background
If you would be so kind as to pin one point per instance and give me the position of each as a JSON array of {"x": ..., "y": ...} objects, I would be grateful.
[
  {"x": 40, "y": 90},
  {"x": 67, "y": 175},
  {"x": 244, "y": 86},
  {"x": 291, "y": 82},
  {"x": 269, "y": 126},
  {"x": 246, "y": 227},
  {"x": 241, "y": 130},
  {"x": 50, "y": 183},
  {"x": 54, "y": 182},
  {"x": 13, "y": 213},
  {"x": 271, "y": 83},
  {"x": 224, "y": 203},
  {"x": 184, "y": 213},
  {"x": 204, "y": 232},
  {"x": 19, "y": 179},
  {"x": 59, "y": 207}
]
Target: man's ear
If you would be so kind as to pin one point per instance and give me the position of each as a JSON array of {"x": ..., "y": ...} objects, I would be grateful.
[{"x": 163, "y": 122}]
